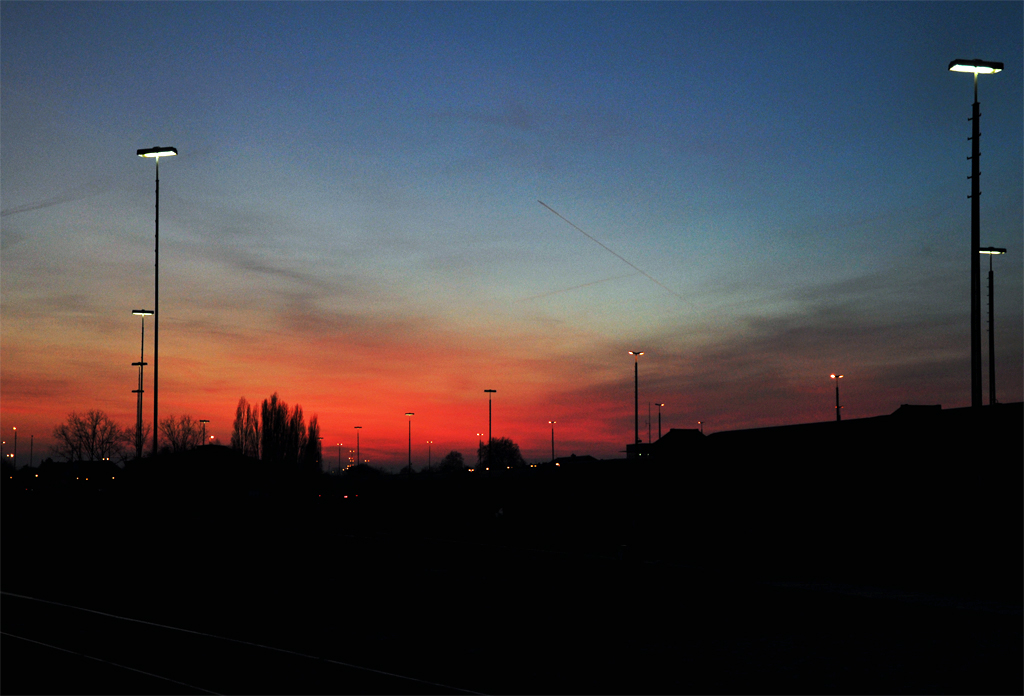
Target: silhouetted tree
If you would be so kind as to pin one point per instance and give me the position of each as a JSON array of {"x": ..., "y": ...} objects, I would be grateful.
[
  {"x": 91, "y": 436},
  {"x": 246, "y": 435},
  {"x": 181, "y": 432},
  {"x": 451, "y": 463},
  {"x": 310, "y": 456},
  {"x": 285, "y": 441},
  {"x": 502, "y": 453}
]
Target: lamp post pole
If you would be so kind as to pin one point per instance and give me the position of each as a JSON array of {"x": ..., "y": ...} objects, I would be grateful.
[
  {"x": 839, "y": 413},
  {"x": 490, "y": 442},
  {"x": 552, "y": 423},
  {"x": 430, "y": 443},
  {"x": 204, "y": 421},
  {"x": 339, "y": 458},
  {"x": 141, "y": 364},
  {"x": 659, "y": 419},
  {"x": 975, "y": 67},
  {"x": 636, "y": 394},
  {"x": 357, "y": 443},
  {"x": 410, "y": 440},
  {"x": 15, "y": 462},
  {"x": 156, "y": 153},
  {"x": 991, "y": 251}
]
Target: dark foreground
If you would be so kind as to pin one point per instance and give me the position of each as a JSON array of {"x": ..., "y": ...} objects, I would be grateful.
[{"x": 660, "y": 579}]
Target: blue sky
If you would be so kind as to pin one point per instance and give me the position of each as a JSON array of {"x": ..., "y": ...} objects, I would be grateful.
[{"x": 353, "y": 218}]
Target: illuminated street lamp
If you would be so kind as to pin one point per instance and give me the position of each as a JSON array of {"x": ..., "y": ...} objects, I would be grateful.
[
  {"x": 410, "y": 440},
  {"x": 490, "y": 444},
  {"x": 975, "y": 67},
  {"x": 141, "y": 364},
  {"x": 991, "y": 251},
  {"x": 339, "y": 458},
  {"x": 838, "y": 407},
  {"x": 552, "y": 424},
  {"x": 155, "y": 153},
  {"x": 429, "y": 444},
  {"x": 204, "y": 421},
  {"x": 15, "y": 458},
  {"x": 659, "y": 419},
  {"x": 636, "y": 394}
]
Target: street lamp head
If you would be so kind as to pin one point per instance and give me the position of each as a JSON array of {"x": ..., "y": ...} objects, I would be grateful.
[
  {"x": 636, "y": 352},
  {"x": 142, "y": 312},
  {"x": 836, "y": 376},
  {"x": 992, "y": 251},
  {"x": 410, "y": 414},
  {"x": 975, "y": 65},
  {"x": 158, "y": 152},
  {"x": 490, "y": 391}
]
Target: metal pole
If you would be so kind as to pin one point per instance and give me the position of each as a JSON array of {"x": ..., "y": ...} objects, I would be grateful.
[
  {"x": 490, "y": 437},
  {"x": 975, "y": 245},
  {"x": 636, "y": 400},
  {"x": 991, "y": 337},
  {"x": 839, "y": 413},
  {"x": 15, "y": 462},
  {"x": 156, "y": 314}
]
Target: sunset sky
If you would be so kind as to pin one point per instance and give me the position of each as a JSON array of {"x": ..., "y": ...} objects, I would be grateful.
[{"x": 769, "y": 193}]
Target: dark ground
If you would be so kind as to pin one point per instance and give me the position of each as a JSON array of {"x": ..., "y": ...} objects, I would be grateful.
[{"x": 749, "y": 576}]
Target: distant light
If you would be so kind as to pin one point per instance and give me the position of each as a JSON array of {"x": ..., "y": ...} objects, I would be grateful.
[
  {"x": 834, "y": 377},
  {"x": 975, "y": 65},
  {"x": 992, "y": 250},
  {"x": 172, "y": 151}
]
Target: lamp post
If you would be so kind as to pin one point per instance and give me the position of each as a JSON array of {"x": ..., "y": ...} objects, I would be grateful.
[
  {"x": 429, "y": 444},
  {"x": 204, "y": 421},
  {"x": 490, "y": 443},
  {"x": 700, "y": 424},
  {"x": 155, "y": 153},
  {"x": 15, "y": 462},
  {"x": 410, "y": 415},
  {"x": 976, "y": 67},
  {"x": 839, "y": 413},
  {"x": 357, "y": 443},
  {"x": 659, "y": 419},
  {"x": 141, "y": 364},
  {"x": 991, "y": 251},
  {"x": 636, "y": 394},
  {"x": 552, "y": 424},
  {"x": 339, "y": 458}
]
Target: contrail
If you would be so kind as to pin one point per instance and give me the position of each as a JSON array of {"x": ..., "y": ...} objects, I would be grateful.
[
  {"x": 577, "y": 287},
  {"x": 638, "y": 270},
  {"x": 75, "y": 194}
]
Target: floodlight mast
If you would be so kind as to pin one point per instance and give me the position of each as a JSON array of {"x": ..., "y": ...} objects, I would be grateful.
[
  {"x": 976, "y": 67},
  {"x": 155, "y": 153}
]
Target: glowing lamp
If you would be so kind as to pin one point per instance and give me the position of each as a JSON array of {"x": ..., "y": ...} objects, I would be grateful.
[
  {"x": 975, "y": 65},
  {"x": 172, "y": 151}
]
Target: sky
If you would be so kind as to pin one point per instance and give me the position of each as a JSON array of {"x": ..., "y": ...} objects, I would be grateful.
[{"x": 382, "y": 208}]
